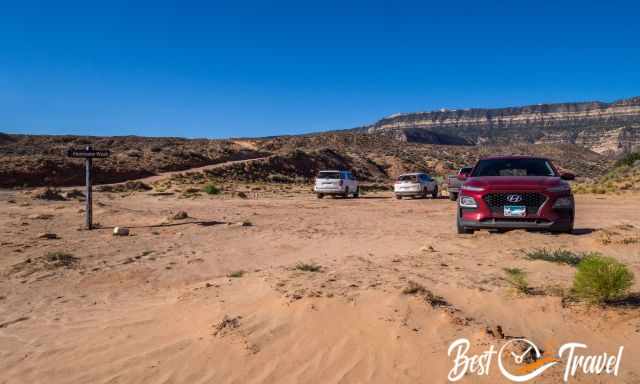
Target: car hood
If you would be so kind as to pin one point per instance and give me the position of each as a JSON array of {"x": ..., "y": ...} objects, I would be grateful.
[{"x": 514, "y": 182}]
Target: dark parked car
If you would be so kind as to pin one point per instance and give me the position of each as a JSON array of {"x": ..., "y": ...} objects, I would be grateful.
[
  {"x": 515, "y": 192},
  {"x": 454, "y": 182}
]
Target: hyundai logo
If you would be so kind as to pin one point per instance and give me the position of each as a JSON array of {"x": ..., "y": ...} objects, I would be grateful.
[{"x": 514, "y": 198}]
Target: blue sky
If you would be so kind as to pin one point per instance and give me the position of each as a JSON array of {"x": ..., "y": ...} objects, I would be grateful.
[{"x": 254, "y": 68}]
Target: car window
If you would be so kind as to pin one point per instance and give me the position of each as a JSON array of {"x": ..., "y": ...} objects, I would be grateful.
[
  {"x": 408, "y": 178},
  {"x": 466, "y": 170},
  {"x": 329, "y": 175},
  {"x": 514, "y": 167}
]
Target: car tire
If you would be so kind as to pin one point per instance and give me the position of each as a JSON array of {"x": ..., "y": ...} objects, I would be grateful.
[
  {"x": 434, "y": 194},
  {"x": 461, "y": 229},
  {"x": 356, "y": 194},
  {"x": 567, "y": 228},
  {"x": 398, "y": 197},
  {"x": 346, "y": 192},
  {"x": 320, "y": 195},
  {"x": 453, "y": 196}
]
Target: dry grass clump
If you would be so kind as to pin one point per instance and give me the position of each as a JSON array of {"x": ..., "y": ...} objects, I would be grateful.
[
  {"x": 414, "y": 288},
  {"x": 308, "y": 267},
  {"x": 518, "y": 279},
  {"x": 236, "y": 274},
  {"x": 560, "y": 256}
]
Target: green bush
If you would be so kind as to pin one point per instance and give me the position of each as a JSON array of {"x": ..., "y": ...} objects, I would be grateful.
[
  {"x": 211, "y": 189},
  {"x": 600, "y": 279}
]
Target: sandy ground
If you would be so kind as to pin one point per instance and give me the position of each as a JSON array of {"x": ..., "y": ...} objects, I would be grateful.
[{"x": 158, "y": 306}]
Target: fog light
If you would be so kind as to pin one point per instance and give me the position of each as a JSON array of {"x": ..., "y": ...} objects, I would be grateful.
[
  {"x": 468, "y": 202},
  {"x": 565, "y": 202}
]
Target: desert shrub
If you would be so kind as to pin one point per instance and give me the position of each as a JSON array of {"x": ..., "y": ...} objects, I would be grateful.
[
  {"x": 629, "y": 159},
  {"x": 413, "y": 288},
  {"x": 278, "y": 178},
  {"x": 60, "y": 259},
  {"x": 211, "y": 189},
  {"x": 308, "y": 267},
  {"x": 518, "y": 279},
  {"x": 561, "y": 256},
  {"x": 600, "y": 279},
  {"x": 236, "y": 274}
]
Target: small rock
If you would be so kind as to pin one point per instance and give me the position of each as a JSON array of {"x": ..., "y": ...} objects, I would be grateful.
[
  {"x": 39, "y": 216},
  {"x": 180, "y": 215},
  {"x": 120, "y": 231},
  {"x": 75, "y": 194},
  {"x": 47, "y": 194},
  {"x": 47, "y": 235}
]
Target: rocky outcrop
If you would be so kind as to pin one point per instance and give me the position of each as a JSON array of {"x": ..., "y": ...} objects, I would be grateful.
[{"x": 606, "y": 128}]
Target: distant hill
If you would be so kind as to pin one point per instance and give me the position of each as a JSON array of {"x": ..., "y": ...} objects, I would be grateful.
[
  {"x": 378, "y": 158},
  {"x": 584, "y": 138},
  {"x": 606, "y": 128}
]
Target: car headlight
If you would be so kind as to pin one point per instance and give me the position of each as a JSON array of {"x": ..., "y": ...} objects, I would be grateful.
[
  {"x": 468, "y": 202},
  {"x": 559, "y": 188},
  {"x": 471, "y": 188},
  {"x": 563, "y": 203}
]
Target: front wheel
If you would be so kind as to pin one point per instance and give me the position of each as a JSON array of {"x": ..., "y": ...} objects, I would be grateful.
[
  {"x": 320, "y": 195},
  {"x": 434, "y": 194},
  {"x": 398, "y": 197},
  {"x": 462, "y": 230}
]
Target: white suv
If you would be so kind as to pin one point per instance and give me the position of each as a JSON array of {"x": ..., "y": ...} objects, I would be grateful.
[
  {"x": 341, "y": 183},
  {"x": 415, "y": 184}
]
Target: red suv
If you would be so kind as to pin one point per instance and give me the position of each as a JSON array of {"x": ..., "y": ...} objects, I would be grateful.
[{"x": 515, "y": 192}]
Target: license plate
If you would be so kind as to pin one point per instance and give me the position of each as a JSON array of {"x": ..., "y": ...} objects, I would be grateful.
[{"x": 515, "y": 210}]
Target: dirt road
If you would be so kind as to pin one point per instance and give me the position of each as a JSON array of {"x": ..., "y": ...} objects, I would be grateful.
[{"x": 159, "y": 306}]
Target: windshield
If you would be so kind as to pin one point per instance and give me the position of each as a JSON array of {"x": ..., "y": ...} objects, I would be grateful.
[
  {"x": 328, "y": 175},
  {"x": 514, "y": 167},
  {"x": 408, "y": 178}
]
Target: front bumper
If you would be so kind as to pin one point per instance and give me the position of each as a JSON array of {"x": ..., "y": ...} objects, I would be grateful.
[
  {"x": 328, "y": 191},
  {"x": 510, "y": 223},
  {"x": 545, "y": 218},
  {"x": 408, "y": 193}
]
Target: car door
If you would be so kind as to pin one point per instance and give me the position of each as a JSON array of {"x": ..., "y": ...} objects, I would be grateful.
[
  {"x": 352, "y": 181},
  {"x": 422, "y": 181},
  {"x": 429, "y": 182}
]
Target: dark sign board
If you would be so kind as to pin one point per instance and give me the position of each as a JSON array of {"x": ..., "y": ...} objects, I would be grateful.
[{"x": 88, "y": 153}]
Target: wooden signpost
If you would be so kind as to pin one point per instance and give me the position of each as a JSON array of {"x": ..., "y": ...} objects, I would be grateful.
[{"x": 88, "y": 154}]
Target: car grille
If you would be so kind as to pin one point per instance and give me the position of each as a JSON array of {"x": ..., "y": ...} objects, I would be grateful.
[{"x": 497, "y": 201}]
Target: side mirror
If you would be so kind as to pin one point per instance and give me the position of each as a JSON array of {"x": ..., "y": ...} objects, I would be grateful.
[
  {"x": 567, "y": 176},
  {"x": 462, "y": 176}
]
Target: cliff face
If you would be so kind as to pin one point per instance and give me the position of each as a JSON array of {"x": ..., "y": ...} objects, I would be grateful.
[{"x": 606, "y": 128}]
